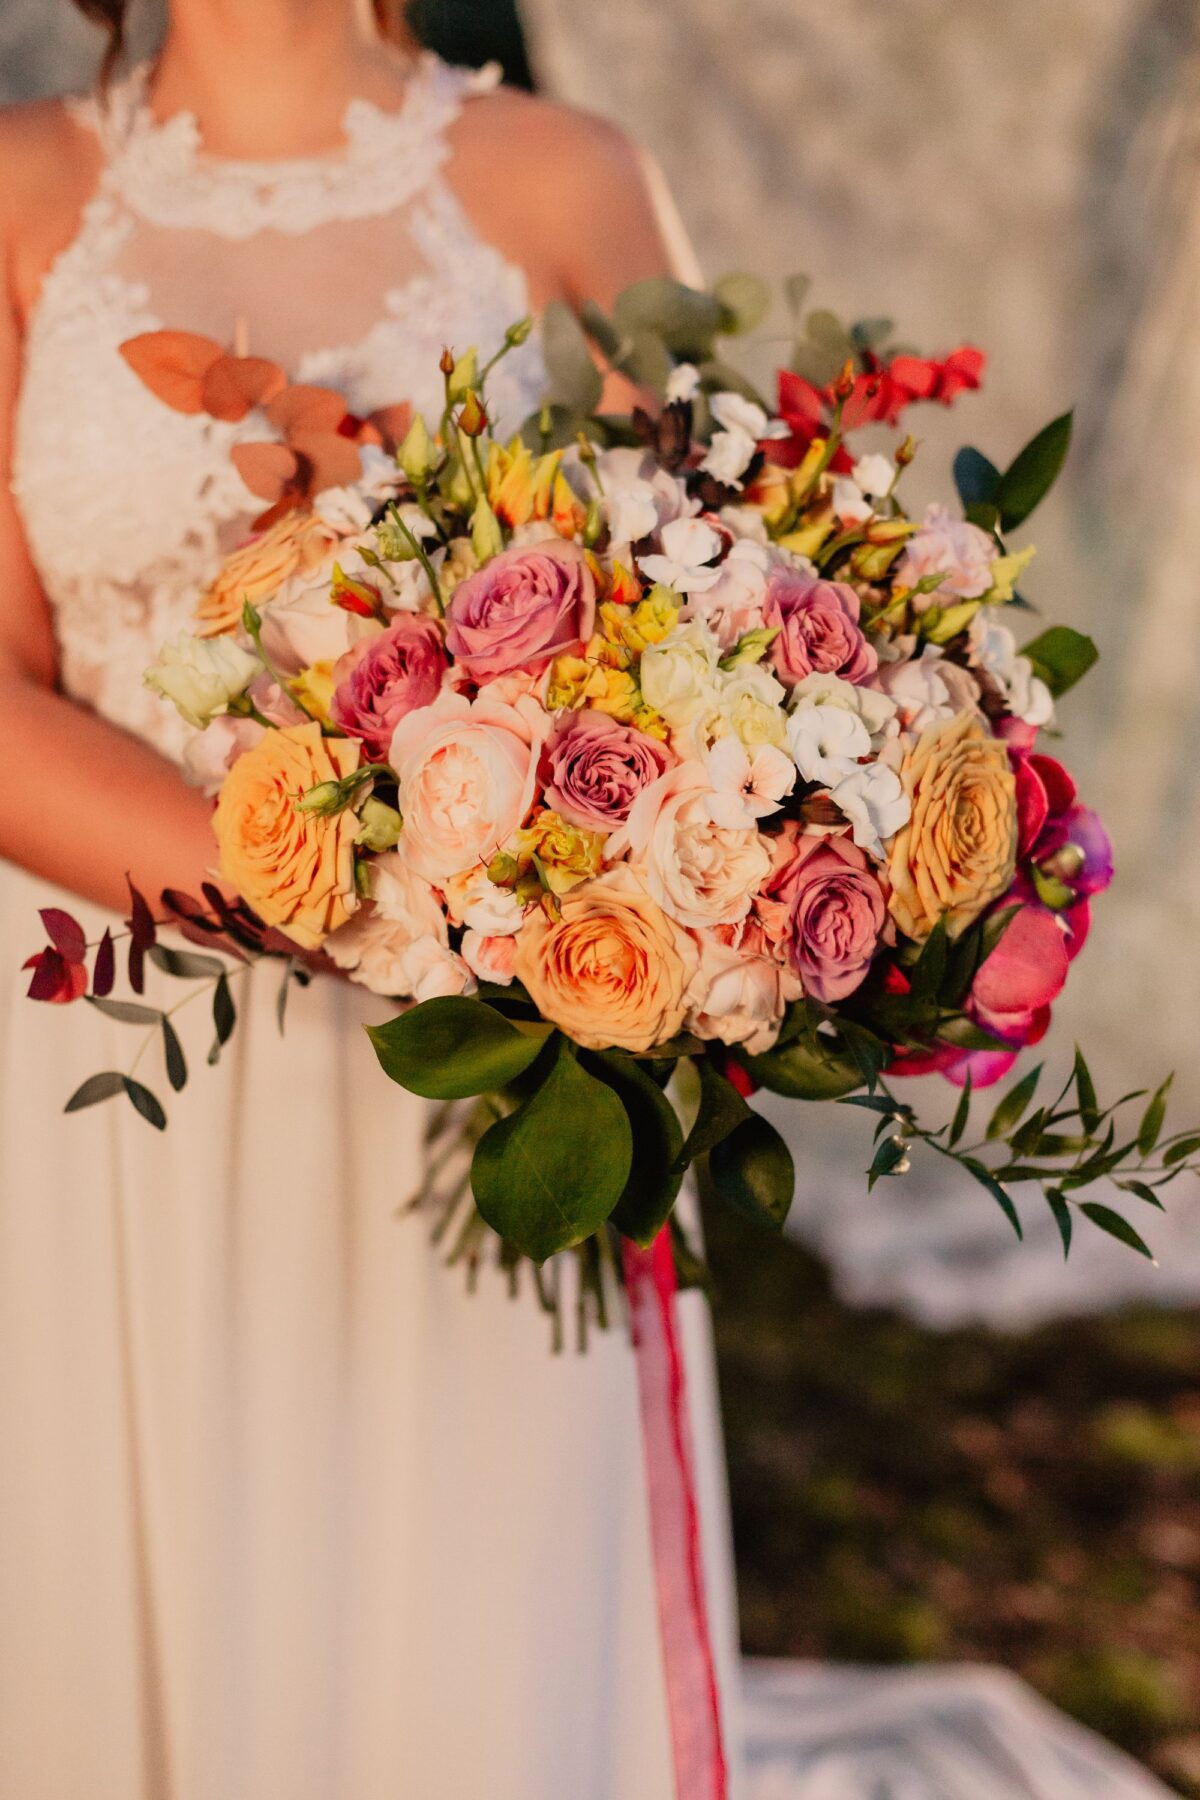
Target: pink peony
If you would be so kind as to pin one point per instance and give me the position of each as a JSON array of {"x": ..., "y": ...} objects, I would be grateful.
[
  {"x": 818, "y": 629},
  {"x": 595, "y": 769},
  {"x": 382, "y": 679},
  {"x": 824, "y": 911},
  {"x": 521, "y": 609}
]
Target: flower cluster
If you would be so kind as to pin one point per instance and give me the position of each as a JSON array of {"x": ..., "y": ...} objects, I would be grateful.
[{"x": 675, "y": 742}]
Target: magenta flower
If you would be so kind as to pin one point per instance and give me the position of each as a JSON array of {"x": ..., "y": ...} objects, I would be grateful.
[
  {"x": 385, "y": 677},
  {"x": 521, "y": 609},
  {"x": 595, "y": 769}
]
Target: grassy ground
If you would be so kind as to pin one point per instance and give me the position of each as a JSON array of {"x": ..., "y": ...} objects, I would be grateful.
[{"x": 904, "y": 1496}]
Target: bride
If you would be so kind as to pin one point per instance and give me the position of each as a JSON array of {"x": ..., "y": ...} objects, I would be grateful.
[{"x": 283, "y": 1511}]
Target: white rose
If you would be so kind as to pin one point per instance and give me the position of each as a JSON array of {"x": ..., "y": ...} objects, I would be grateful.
[
  {"x": 729, "y": 456},
  {"x": 734, "y": 997},
  {"x": 699, "y": 872},
  {"x": 490, "y": 958},
  {"x": 201, "y": 676},
  {"x": 689, "y": 547},
  {"x": 679, "y": 676},
  {"x": 631, "y": 512},
  {"x": 751, "y": 705},
  {"x": 303, "y": 627},
  {"x": 737, "y": 413},
  {"x": 993, "y": 648}
]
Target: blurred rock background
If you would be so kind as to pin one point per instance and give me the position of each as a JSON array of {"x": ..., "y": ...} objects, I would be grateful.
[{"x": 1027, "y": 178}]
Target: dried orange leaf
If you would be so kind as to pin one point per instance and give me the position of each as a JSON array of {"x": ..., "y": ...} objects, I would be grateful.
[
  {"x": 333, "y": 460},
  {"x": 173, "y": 365},
  {"x": 267, "y": 469},
  {"x": 308, "y": 409},
  {"x": 235, "y": 384}
]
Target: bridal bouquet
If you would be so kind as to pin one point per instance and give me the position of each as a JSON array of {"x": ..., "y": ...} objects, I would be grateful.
[{"x": 639, "y": 748}]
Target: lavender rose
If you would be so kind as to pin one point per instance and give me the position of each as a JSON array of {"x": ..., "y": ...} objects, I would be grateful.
[
  {"x": 385, "y": 677},
  {"x": 522, "y": 608},
  {"x": 818, "y": 629},
  {"x": 824, "y": 911},
  {"x": 595, "y": 769}
]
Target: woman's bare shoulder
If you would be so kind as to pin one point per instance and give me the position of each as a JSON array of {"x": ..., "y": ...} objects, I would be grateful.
[
  {"x": 49, "y": 163},
  {"x": 524, "y": 133}
]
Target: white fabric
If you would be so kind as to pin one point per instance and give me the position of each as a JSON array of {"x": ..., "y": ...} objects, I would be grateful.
[{"x": 284, "y": 1512}]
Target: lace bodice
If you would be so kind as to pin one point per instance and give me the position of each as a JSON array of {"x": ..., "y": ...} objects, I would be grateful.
[{"x": 352, "y": 270}]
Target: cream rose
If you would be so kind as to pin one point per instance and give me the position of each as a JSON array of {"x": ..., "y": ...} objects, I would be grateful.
[
  {"x": 736, "y": 997},
  {"x": 296, "y": 869},
  {"x": 612, "y": 969},
  {"x": 699, "y": 872},
  {"x": 399, "y": 946},
  {"x": 957, "y": 852},
  {"x": 466, "y": 772},
  {"x": 294, "y": 544}
]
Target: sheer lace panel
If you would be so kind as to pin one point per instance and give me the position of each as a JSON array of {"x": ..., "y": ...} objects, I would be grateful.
[{"x": 351, "y": 270}]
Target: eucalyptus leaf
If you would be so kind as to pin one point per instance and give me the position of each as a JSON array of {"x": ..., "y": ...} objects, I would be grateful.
[
  {"x": 550, "y": 1174},
  {"x": 746, "y": 300},
  {"x": 795, "y": 292},
  {"x": 145, "y": 1103},
  {"x": 574, "y": 380},
  {"x": 454, "y": 1047},
  {"x": 686, "y": 319},
  {"x": 95, "y": 1089}
]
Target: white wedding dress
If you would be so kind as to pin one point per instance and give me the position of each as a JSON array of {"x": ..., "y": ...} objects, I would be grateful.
[{"x": 285, "y": 1514}]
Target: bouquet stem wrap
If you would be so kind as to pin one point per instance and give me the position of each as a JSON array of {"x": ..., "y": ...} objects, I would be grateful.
[{"x": 692, "y": 1700}]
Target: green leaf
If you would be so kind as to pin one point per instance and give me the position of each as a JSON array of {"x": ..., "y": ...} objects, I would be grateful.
[
  {"x": 1181, "y": 1150},
  {"x": 1085, "y": 1089},
  {"x": 1061, "y": 657},
  {"x": 961, "y": 1113},
  {"x": 889, "y": 1154},
  {"x": 95, "y": 1089},
  {"x": 746, "y": 300},
  {"x": 795, "y": 292},
  {"x": 1012, "y": 1107},
  {"x": 657, "y": 1170},
  {"x": 976, "y": 477},
  {"x": 127, "y": 1012},
  {"x": 826, "y": 329},
  {"x": 722, "y": 1110},
  {"x": 574, "y": 380},
  {"x": 1150, "y": 1129},
  {"x": 1059, "y": 1205},
  {"x": 929, "y": 970},
  {"x": 753, "y": 1172},
  {"x": 145, "y": 1103},
  {"x": 1143, "y": 1192},
  {"x": 646, "y": 361},
  {"x": 805, "y": 1071},
  {"x": 550, "y": 1175},
  {"x": 984, "y": 514},
  {"x": 999, "y": 1194},
  {"x": 1115, "y": 1226},
  {"x": 224, "y": 1011},
  {"x": 871, "y": 334},
  {"x": 600, "y": 328},
  {"x": 175, "y": 1059},
  {"x": 686, "y": 319},
  {"x": 454, "y": 1047},
  {"x": 186, "y": 965},
  {"x": 1032, "y": 473}
]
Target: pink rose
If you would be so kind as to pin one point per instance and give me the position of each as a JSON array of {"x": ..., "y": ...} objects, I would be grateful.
[
  {"x": 824, "y": 910},
  {"x": 595, "y": 769},
  {"x": 524, "y": 607},
  {"x": 381, "y": 680},
  {"x": 818, "y": 629},
  {"x": 466, "y": 775}
]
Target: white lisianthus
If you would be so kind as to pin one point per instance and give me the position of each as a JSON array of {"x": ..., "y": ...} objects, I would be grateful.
[
  {"x": 683, "y": 383},
  {"x": 850, "y": 503},
  {"x": 302, "y": 627},
  {"x": 631, "y": 512},
  {"x": 734, "y": 605},
  {"x": 679, "y": 677},
  {"x": 746, "y": 523},
  {"x": 202, "y": 676},
  {"x": 993, "y": 648},
  {"x": 827, "y": 742},
  {"x": 689, "y": 548},
  {"x": 875, "y": 475},
  {"x": 746, "y": 788},
  {"x": 873, "y": 799},
  {"x": 876, "y": 710},
  {"x": 736, "y": 413}
]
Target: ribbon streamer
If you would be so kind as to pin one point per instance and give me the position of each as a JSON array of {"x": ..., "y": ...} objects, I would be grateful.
[{"x": 693, "y": 1705}]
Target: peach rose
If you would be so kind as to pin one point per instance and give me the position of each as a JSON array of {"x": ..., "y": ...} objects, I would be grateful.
[
  {"x": 613, "y": 969},
  {"x": 466, "y": 772},
  {"x": 957, "y": 852},
  {"x": 700, "y": 872},
  {"x": 295, "y": 869},
  {"x": 293, "y": 545}
]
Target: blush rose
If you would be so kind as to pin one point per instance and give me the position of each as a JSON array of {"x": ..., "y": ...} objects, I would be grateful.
[{"x": 521, "y": 609}]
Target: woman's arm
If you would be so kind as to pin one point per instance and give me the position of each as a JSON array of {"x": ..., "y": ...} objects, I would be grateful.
[{"x": 80, "y": 802}]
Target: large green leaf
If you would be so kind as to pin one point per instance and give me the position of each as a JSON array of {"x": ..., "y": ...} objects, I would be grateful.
[
  {"x": 975, "y": 476},
  {"x": 1032, "y": 473},
  {"x": 686, "y": 319},
  {"x": 753, "y": 1172},
  {"x": 805, "y": 1071},
  {"x": 551, "y": 1173},
  {"x": 656, "y": 1171},
  {"x": 1061, "y": 657},
  {"x": 722, "y": 1110},
  {"x": 746, "y": 300},
  {"x": 574, "y": 380},
  {"x": 455, "y": 1047}
]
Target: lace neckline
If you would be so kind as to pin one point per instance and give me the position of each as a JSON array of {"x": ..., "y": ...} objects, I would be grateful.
[{"x": 161, "y": 170}]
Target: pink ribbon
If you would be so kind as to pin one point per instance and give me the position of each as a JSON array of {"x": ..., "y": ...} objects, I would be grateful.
[{"x": 692, "y": 1702}]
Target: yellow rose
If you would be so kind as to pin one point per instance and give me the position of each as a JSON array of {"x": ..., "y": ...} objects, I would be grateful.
[
  {"x": 957, "y": 852},
  {"x": 612, "y": 969},
  {"x": 295, "y": 869},
  {"x": 293, "y": 545}
]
